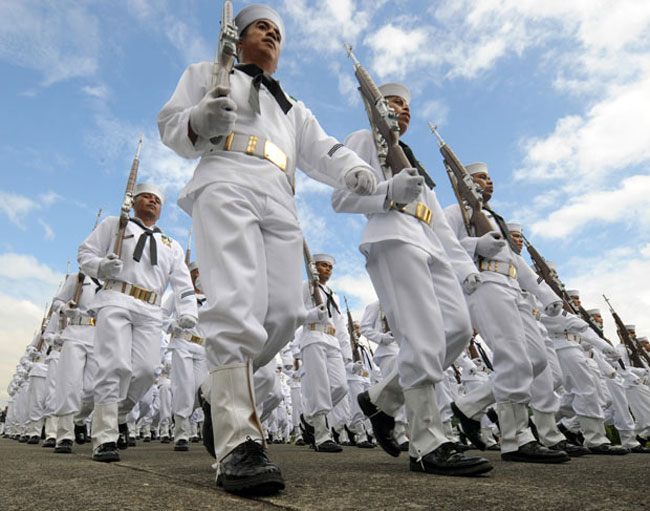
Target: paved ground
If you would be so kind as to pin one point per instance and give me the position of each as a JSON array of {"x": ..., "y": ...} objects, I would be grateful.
[{"x": 152, "y": 477}]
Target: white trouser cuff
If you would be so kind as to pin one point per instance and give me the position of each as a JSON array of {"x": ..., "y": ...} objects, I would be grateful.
[
  {"x": 65, "y": 427},
  {"x": 593, "y": 431},
  {"x": 547, "y": 430},
  {"x": 426, "y": 432},
  {"x": 104, "y": 425},
  {"x": 513, "y": 422}
]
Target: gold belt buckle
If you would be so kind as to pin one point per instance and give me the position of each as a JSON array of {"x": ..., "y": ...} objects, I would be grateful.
[
  {"x": 197, "y": 340},
  {"x": 91, "y": 321},
  {"x": 512, "y": 272},
  {"x": 228, "y": 143},
  {"x": 423, "y": 213},
  {"x": 252, "y": 144},
  {"x": 275, "y": 155},
  {"x": 312, "y": 326}
]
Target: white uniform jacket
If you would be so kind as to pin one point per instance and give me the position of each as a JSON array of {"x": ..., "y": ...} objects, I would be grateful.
[
  {"x": 389, "y": 224},
  {"x": 340, "y": 339},
  {"x": 79, "y": 332},
  {"x": 565, "y": 330},
  {"x": 296, "y": 132},
  {"x": 372, "y": 327},
  {"x": 170, "y": 268},
  {"x": 180, "y": 341}
]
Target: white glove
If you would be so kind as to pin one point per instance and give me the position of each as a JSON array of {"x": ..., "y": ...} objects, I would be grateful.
[
  {"x": 553, "y": 309},
  {"x": 358, "y": 369},
  {"x": 405, "y": 186},
  {"x": 386, "y": 338},
  {"x": 33, "y": 353},
  {"x": 57, "y": 340},
  {"x": 213, "y": 116},
  {"x": 610, "y": 352},
  {"x": 175, "y": 329},
  {"x": 186, "y": 321},
  {"x": 58, "y": 305},
  {"x": 489, "y": 244},
  {"x": 71, "y": 311},
  {"x": 109, "y": 267},
  {"x": 472, "y": 282},
  {"x": 316, "y": 314},
  {"x": 361, "y": 181}
]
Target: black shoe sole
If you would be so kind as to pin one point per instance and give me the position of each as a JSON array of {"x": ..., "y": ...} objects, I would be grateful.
[
  {"x": 469, "y": 471},
  {"x": 388, "y": 444},
  {"x": 107, "y": 459},
  {"x": 181, "y": 448},
  {"x": 63, "y": 450},
  {"x": 262, "y": 484},
  {"x": 329, "y": 450},
  {"x": 471, "y": 428},
  {"x": 526, "y": 459}
]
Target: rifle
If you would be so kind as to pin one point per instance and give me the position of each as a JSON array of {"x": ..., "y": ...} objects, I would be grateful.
[
  {"x": 468, "y": 191},
  {"x": 556, "y": 285},
  {"x": 128, "y": 201},
  {"x": 628, "y": 342},
  {"x": 224, "y": 57},
  {"x": 383, "y": 121},
  {"x": 312, "y": 276},
  {"x": 384, "y": 320},
  {"x": 356, "y": 356},
  {"x": 463, "y": 209},
  {"x": 189, "y": 247},
  {"x": 44, "y": 322},
  {"x": 81, "y": 276}
]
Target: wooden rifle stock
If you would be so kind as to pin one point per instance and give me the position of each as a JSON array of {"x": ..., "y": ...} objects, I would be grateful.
[
  {"x": 625, "y": 336},
  {"x": 127, "y": 202},
  {"x": 312, "y": 275},
  {"x": 188, "y": 258},
  {"x": 354, "y": 339}
]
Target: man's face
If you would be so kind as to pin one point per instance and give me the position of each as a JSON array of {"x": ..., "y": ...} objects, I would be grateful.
[
  {"x": 357, "y": 329},
  {"x": 632, "y": 333},
  {"x": 483, "y": 180},
  {"x": 598, "y": 319},
  {"x": 147, "y": 207},
  {"x": 646, "y": 345},
  {"x": 324, "y": 270},
  {"x": 576, "y": 301},
  {"x": 518, "y": 239},
  {"x": 195, "y": 275},
  {"x": 401, "y": 108},
  {"x": 260, "y": 44}
]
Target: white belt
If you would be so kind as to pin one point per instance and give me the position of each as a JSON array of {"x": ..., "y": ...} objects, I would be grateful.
[
  {"x": 567, "y": 337},
  {"x": 256, "y": 146},
  {"x": 319, "y": 327},
  {"x": 193, "y": 338},
  {"x": 136, "y": 292},
  {"x": 498, "y": 267},
  {"x": 417, "y": 209},
  {"x": 82, "y": 321}
]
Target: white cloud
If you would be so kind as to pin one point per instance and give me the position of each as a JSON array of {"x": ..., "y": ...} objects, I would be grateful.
[
  {"x": 60, "y": 40},
  {"x": 49, "y": 233},
  {"x": 49, "y": 198},
  {"x": 100, "y": 92},
  {"x": 16, "y": 207},
  {"x": 19, "y": 267},
  {"x": 627, "y": 204}
]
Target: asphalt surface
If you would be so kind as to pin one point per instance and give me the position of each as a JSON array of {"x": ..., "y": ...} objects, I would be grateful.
[{"x": 152, "y": 477}]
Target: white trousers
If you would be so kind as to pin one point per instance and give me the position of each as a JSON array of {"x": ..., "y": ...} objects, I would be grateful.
[
  {"x": 249, "y": 249},
  {"x": 165, "y": 400},
  {"x": 35, "y": 405},
  {"x": 503, "y": 317},
  {"x": 188, "y": 372},
  {"x": 296, "y": 405},
  {"x": 425, "y": 308},
  {"x": 127, "y": 350},
  {"x": 324, "y": 384},
  {"x": 75, "y": 377},
  {"x": 639, "y": 398},
  {"x": 51, "y": 384},
  {"x": 578, "y": 381}
]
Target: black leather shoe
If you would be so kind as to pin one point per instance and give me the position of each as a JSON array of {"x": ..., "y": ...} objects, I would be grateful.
[
  {"x": 106, "y": 452},
  {"x": 131, "y": 442},
  {"x": 534, "y": 452},
  {"x": 123, "y": 436},
  {"x": 335, "y": 435},
  {"x": 447, "y": 461},
  {"x": 23, "y": 439},
  {"x": 461, "y": 446},
  {"x": 182, "y": 445},
  {"x": 328, "y": 446},
  {"x": 63, "y": 447},
  {"x": 494, "y": 447},
  {"x": 642, "y": 441},
  {"x": 81, "y": 434},
  {"x": 351, "y": 437},
  {"x": 471, "y": 428},
  {"x": 364, "y": 445},
  {"x": 206, "y": 428},
  {"x": 50, "y": 442},
  {"x": 640, "y": 449},
  {"x": 572, "y": 450},
  {"x": 194, "y": 439},
  {"x": 300, "y": 442},
  {"x": 307, "y": 432},
  {"x": 404, "y": 446},
  {"x": 247, "y": 471},
  {"x": 165, "y": 440},
  {"x": 609, "y": 449},
  {"x": 382, "y": 424},
  {"x": 34, "y": 440},
  {"x": 146, "y": 439}
]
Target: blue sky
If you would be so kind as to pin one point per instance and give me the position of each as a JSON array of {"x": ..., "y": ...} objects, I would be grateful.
[{"x": 554, "y": 96}]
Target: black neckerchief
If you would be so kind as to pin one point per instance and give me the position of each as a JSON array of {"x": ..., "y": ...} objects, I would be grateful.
[
  {"x": 272, "y": 85},
  {"x": 417, "y": 165},
  {"x": 330, "y": 301},
  {"x": 502, "y": 227},
  {"x": 139, "y": 247}
]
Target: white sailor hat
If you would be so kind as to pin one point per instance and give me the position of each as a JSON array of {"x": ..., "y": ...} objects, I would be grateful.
[
  {"x": 513, "y": 226},
  {"x": 573, "y": 292},
  {"x": 149, "y": 188},
  {"x": 193, "y": 266},
  {"x": 630, "y": 327},
  {"x": 326, "y": 258},
  {"x": 255, "y": 12},
  {"x": 592, "y": 312},
  {"x": 476, "y": 168},
  {"x": 395, "y": 89},
  {"x": 642, "y": 339}
]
